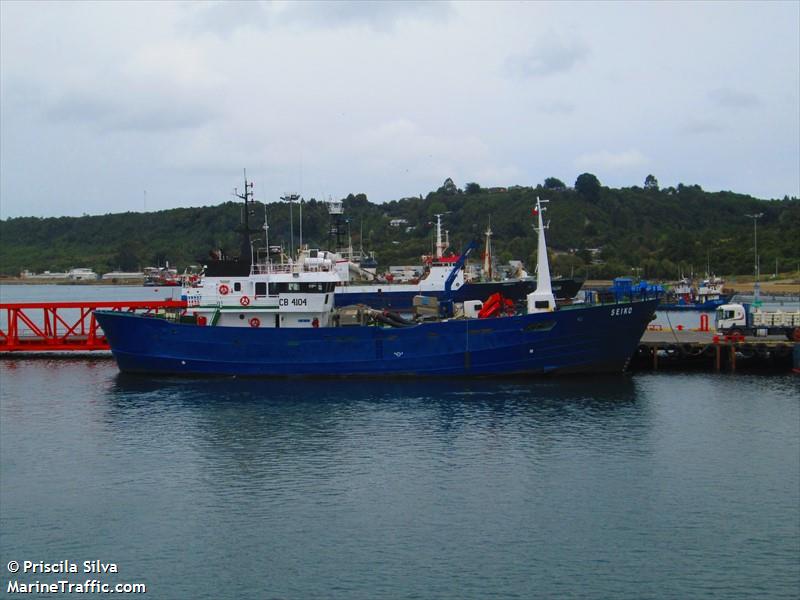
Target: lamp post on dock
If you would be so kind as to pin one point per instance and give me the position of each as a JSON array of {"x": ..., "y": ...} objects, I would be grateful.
[{"x": 756, "y": 284}]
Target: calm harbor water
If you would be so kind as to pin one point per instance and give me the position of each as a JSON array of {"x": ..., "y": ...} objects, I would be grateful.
[
  {"x": 646, "y": 486},
  {"x": 70, "y": 293}
]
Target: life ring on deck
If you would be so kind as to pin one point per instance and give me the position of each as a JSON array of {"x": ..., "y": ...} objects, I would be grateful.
[
  {"x": 255, "y": 322},
  {"x": 244, "y": 301},
  {"x": 223, "y": 289}
]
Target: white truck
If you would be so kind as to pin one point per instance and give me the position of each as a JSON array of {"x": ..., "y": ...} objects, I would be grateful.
[{"x": 741, "y": 319}]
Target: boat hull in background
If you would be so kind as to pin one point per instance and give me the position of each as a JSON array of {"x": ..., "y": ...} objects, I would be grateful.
[
  {"x": 400, "y": 297},
  {"x": 708, "y": 305}
]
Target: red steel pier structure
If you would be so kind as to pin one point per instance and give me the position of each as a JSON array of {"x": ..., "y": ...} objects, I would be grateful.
[{"x": 63, "y": 326}]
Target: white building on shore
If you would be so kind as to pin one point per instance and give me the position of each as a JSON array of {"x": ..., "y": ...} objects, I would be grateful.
[{"x": 80, "y": 274}]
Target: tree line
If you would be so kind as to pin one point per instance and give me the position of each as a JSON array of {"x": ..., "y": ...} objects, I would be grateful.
[{"x": 602, "y": 232}]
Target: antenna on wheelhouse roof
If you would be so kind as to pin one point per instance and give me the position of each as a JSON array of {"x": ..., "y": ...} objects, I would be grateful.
[
  {"x": 301, "y": 224},
  {"x": 266, "y": 230}
]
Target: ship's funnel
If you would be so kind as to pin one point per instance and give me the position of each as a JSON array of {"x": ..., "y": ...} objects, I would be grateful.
[{"x": 541, "y": 299}]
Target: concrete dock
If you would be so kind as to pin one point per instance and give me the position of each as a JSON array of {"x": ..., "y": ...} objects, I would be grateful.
[{"x": 672, "y": 349}]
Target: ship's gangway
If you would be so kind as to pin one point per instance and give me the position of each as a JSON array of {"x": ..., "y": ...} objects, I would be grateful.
[{"x": 64, "y": 326}]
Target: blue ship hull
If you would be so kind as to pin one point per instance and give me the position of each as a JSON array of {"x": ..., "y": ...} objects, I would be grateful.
[{"x": 590, "y": 339}]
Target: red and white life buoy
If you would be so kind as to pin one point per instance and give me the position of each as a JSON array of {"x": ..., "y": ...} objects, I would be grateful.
[
  {"x": 244, "y": 301},
  {"x": 255, "y": 322},
  {"x": 223, "y": 289}
]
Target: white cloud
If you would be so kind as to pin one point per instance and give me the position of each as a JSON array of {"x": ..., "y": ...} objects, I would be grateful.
[
  {"x": 500, "y": 175},
  {"x": 226, "y": 18},
  {"x": 700, "y": 126},
  {"x": 378, "y": 15},
  {"x": 405, "y": 140},
  {"x": 732, "y": 98},
  {"x": 551, "y": 54},
  {"x": 556, "y": 107},
  {"x": 607, "y": 160},
  {"x": 388, "y": 98}
]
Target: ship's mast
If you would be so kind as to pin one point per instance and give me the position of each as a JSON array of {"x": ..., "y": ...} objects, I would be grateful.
[
  {"x": 335, "y": 230},
  {"x": 291, "y": 198},
  {"x": 246, "y": 250},
  {"x": 542, "y": 299},
  {"x": 440, "y": 245},
  {"x": 349, "y": 241},
  {"x": 543, "y": 284},
  {"x": 487, "y": 254}
]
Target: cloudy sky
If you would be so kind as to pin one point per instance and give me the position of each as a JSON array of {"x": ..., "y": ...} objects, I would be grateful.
[{"x": 109, "y": 107}]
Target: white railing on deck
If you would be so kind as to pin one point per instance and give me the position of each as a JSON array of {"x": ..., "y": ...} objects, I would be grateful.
[{"x": 264, "y": 269}]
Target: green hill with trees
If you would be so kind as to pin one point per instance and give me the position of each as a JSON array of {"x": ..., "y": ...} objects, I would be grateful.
[{"x": 594, "y": 230}]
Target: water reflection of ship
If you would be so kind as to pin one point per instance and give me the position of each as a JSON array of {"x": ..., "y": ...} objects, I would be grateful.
[
  {"x": 602, "y": 393},
  {"x": 245, "y": 425}
]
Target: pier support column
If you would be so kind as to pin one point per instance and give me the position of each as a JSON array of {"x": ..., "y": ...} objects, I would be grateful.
[
  {"x": 718, "y": 358},
  {"x": 655, "y": 358},
  {"x": 733, "y": 358}
]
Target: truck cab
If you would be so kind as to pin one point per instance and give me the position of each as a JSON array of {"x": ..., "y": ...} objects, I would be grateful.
[
  {"x": 738, "y": 319},
  {"x": 730, "y": 316}
]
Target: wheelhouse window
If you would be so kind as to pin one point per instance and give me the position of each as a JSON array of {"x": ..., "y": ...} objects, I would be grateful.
[
  {"x": 261, "y": 288},
  {"x": 322, "y": 287},
  {"x": 237, "y": 287}
]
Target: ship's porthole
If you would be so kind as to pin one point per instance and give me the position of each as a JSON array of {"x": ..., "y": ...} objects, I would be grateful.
[{"x": 241, "y": 317}]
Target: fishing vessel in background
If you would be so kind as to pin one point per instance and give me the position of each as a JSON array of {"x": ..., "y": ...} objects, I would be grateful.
[
  {"x": 277, "y": 318},
  {"x": 161, "y": 277},
  {"x": 707, "y": 295},
  {"x": 444, "y": 277}
]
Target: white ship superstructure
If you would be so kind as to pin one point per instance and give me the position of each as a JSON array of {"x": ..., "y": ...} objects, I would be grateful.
[{"x": 288, "y": 294}]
